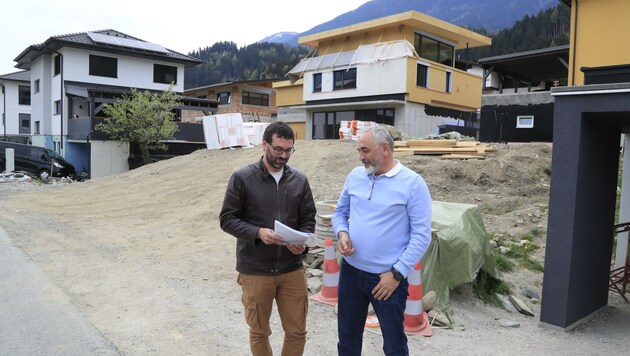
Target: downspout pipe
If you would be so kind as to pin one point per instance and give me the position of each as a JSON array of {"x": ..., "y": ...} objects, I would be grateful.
[
  {"x": 4, "y": 110},
  {"x": 61, "y": 100}
]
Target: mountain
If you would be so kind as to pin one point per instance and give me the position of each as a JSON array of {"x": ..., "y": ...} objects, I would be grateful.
[
  {"x": 490, "y": 15},
  {"x": 280, "y": 37}
]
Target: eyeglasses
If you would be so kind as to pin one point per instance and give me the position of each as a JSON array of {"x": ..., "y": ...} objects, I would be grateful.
[{"x": 279, "y": 150}]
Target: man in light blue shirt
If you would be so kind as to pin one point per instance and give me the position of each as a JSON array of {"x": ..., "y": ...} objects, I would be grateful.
[{"x": 383, "y": 225}]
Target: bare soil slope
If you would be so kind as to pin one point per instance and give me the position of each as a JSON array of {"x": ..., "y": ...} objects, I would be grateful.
[{"x": 142, "y": 256}]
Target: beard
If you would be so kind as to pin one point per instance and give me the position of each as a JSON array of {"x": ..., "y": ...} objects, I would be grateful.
[
  {"x": 275, "y": 162},
  {"x": 369, "y": 167}
]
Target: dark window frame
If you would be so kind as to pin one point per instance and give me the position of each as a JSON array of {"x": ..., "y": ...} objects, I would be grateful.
[
  {"x": 23, "y": 117},
  {"x": 317, "y": 82},
  {"x": 325, "y": 124},
  {"x": 444, "y": 53},
  {"x": 57, "y": 107},
  {"x": 57, "y": 65},
  {"x": 253, "y": 98},
  {"x": 24, "y": 95},
  {"x": 449, "y": 82},
  {"x": 162, "y": 74},
  {"x": 345, "y": 79},
  {"x": 422, "y": 75},
  {"x": 101, "y": 66},
  {"x": 36, "y": 84},
  {"x": 224, "y": 97}
]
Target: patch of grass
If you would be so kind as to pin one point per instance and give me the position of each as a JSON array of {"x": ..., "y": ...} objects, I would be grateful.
[
  {"x": 486, "y": 287},
  {"x": 502, "y": 263},
  {"x": 521, "y": 255}
]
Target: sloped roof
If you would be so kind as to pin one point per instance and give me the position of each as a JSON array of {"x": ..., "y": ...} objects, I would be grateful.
[
  {"x": 83, "y": 40},
  {"x": 537, "y": 65},
  {"x": 22, "y": 76}
]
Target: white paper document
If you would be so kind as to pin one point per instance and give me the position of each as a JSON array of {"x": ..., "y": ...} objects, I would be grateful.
[{"x": 292, "y": 236}]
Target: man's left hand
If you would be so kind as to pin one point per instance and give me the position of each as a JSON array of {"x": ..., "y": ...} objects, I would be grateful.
[
  {"x": 296, "y": 249},
  {"x": 385, "y": 286}
]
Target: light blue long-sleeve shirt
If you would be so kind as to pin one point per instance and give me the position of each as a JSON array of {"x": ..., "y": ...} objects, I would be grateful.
[{"x": 388, "y": 218}]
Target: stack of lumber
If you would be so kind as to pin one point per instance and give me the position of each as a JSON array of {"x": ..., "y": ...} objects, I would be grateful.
[{"x": 445, "y": 149}]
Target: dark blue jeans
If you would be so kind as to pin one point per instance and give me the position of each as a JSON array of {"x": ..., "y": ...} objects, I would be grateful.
[{"x": 355, "y": 295}]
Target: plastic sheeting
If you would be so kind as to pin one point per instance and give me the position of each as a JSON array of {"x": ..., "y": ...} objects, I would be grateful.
[
  {"x": 461, "y": 249},
  {"x": 364, "y": 54}
]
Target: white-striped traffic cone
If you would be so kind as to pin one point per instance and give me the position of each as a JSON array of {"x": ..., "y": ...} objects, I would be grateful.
[
  {"x": 416, "y": 320},
  {"x": 330, "y": 280}
]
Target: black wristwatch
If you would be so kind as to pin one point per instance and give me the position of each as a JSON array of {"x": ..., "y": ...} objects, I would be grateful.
[{"x": 397, "y": 276}]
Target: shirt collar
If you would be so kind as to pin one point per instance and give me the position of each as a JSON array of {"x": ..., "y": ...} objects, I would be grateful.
[{"x": 392, "y": 172}]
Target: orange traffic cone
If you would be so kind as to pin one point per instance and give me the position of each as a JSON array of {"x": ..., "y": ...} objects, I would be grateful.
[
  {"x": 330, "y": 281},
  {"x": 416, "y": 320}
]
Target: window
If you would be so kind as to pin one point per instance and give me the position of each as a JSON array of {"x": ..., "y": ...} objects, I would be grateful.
[
  {"x": 36, "y": 128},
  {"x": 255, "y": 99},
  {"x": 24, "y": 95},
  {"x": 36, "y": 86},
  {"x": 434, "y": 50},
  {"x": 223, "y": 97},
  {"x": 422, "y": 75},
  {"x": 164, "y": 74},
  {"x": 326, "y": 125},
  {"x": 525, "y": 122},
  {"x": 57, "y": 108},
  {"x": 25, "y": 123},
  {"x": 448, "y": 85},
  {"x": 57, "y": 64},
  {"x": 103, "y": 66},
  {"x": 317, "y": 83},
  {"x": 345, "y": 79}
]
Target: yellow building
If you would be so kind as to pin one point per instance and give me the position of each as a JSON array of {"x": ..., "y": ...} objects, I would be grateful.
[
  {"x": 599, "y": 31},
  {"x": 388, "y": 70}
]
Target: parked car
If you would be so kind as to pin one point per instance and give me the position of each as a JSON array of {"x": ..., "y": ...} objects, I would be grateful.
[{"x": 38, "y": 161}]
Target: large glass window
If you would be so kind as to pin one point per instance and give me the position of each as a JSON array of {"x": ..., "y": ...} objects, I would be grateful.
[
  {"x": 164, "y": 74},
  {"x": 326, "y": 124},
  {"x": 434, "y": 50},
  {"x": 24, "y": 95},
  {"x": 255, "y": 99},
  {"x": 25, "y": 123},
  {"x": 345, "y": 79},
  {"x": 103, "y": 66},
  {"x": 317, "y": 83}
]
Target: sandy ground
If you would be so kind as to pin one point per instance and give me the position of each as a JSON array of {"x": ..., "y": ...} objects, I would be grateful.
[{"x": 142, "y": 256}]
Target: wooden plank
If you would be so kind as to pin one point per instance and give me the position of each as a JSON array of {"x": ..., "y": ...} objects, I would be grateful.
[
  {"x": 440, "y": 143},
  {"x": 461, "y": 156},
  {"x": 403, "y": 153},
  {"x": 400, "y": 144},
  {"x": 467, "y": 143},
  {"x": 421, "y": 150}
]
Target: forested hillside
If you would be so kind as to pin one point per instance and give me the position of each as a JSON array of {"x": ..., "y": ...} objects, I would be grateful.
[{"x": 224, "y": 61}]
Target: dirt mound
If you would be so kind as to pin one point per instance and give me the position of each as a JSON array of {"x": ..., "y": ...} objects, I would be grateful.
[{"x": 142, "y": 255}]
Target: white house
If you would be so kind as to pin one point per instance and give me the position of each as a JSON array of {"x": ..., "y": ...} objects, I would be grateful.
[
  {"x": 15, "y": 106},
  {"x": 72, "y": 76}
]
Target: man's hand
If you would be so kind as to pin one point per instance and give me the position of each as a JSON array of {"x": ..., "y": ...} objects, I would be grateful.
[
  {"x": 296, "y": 249},
  {"x": 268, "y": 236},
  {"x": 345, "y": 244},
  {"x": 385, "y": 286}
]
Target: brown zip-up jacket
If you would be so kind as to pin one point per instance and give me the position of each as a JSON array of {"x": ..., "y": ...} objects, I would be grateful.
[{"x": 252, "y": 201}]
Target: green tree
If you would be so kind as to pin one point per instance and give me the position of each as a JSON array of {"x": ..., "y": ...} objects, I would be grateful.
[{"x": 143, "y": 119}]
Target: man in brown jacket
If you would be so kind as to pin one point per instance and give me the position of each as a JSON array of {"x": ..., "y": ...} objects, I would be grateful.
[{"x": 256, "y": 196}]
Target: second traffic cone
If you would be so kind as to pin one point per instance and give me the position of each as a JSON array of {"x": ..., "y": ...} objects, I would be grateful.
[
  {"x": 330, "y": 280},
  {"x": 416, "y": 319}
]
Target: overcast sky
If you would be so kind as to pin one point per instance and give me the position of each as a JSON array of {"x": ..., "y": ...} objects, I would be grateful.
[{"x": 181, "y": 26}]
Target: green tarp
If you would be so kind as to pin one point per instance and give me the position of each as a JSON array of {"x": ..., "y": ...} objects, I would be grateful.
[{"x": 461, "y": 249}]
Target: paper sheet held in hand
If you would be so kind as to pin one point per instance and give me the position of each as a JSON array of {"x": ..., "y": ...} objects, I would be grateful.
[{"x": 292, "y": 236}]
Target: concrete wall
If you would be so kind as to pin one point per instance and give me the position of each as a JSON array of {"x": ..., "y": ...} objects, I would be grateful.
[{"x": 108, "y": 158}]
